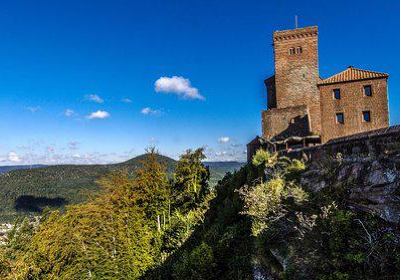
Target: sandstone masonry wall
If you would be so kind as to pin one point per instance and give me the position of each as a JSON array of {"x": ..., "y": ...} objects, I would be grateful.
[
  {"x": 296, "y": 74},
  {"x": 285, "y": 122},
  {"x": 352, "y": 103}
]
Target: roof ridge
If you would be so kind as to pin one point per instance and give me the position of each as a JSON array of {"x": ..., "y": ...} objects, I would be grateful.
[{"x": 369, "y": 71}]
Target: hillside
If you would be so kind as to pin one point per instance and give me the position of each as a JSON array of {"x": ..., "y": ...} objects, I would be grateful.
[
  {"x": 218, "y": 169},
  {"x": 276, "y": 218},
  {"x": 29, "y": 190},
  {"x": 4, "y": 169},
  {"x": 335, "y": 219}
]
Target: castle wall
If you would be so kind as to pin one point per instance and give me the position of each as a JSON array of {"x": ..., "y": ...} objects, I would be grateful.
[
  {"x": 352, "y": 103},
  {"x": 285, "y": 122},
  {"x": 271, "y": 92},
  {"x": 379, "y": 142},
  {"x": 296, "y": 74}
]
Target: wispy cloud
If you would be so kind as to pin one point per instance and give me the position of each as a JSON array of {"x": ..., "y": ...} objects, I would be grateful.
[
  {"x": 98, "y": 115},
  {"x": 13, "y": 157},
  {"x": 223, "y": 140},
  {"x": 33, "y": 110},
  {"x": 94, "y": 98},
  {"x": 225, "y": 152},
  {"x": 69, "y": 113},
  {"x": 127, "y": 100},
  {"x": 149, "y": 111},
  {"x": 73, "y": 145},
  {"x": 236, "y": 145},
  {"x": 179, "y": 86},
  {"x": 49, "y": 149},
  {"x": 153, "y": 140},
  {"x": 47, "y": 153}
]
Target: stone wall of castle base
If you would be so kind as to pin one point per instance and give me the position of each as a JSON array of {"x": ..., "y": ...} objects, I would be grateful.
[{"x": 379, "y": 142}]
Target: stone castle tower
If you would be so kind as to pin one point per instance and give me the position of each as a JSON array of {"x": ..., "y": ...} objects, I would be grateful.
[
  {"x": 304, "y": 110},
  {"x": 293, "y": 95}
]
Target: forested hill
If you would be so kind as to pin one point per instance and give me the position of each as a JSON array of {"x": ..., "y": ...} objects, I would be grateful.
[
  {"x": 275, "y": 218},
  {"x": 28, "y": 190},
  {"x": 4, "y": 169}
]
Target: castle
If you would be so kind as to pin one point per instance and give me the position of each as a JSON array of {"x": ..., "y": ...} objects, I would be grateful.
[{"x": 304, "y": 110}]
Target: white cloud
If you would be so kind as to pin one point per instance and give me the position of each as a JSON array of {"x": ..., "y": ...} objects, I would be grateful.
[
  {"x": 98, "y": 115},
  {"x": 179, "y": 86},
  {"x": 94, "y": 98},
  {"x": 127, "y": 100},
  {"x": 223, "y": 140},
  {"x": 49, "y": 149},
  {"x": 33, "y": 110},
  {"x": 13, "y": 157},
  {"x": 69, "y": 113},
  {"x": 149, "y": 111}
]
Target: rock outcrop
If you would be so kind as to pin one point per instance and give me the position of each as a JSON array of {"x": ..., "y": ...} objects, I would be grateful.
[{"x": 368, "y": 184}]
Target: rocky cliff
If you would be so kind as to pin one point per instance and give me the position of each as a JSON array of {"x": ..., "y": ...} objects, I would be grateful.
[
  {"x": 368, "y": 185},
  {"x": 347, "y": 229}
]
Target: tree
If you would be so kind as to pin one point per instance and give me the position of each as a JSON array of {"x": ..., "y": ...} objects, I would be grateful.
[
  {"x": 191, "y": 178},
  {"x": 151, "y": 185},
  {"x": 112, "y": 237},
  {"x": 196, "y": 265}
]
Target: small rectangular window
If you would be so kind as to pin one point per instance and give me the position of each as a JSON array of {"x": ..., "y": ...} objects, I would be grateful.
[
  {"x": 299, "y": 50},
  {"x": 368, "y": 90},
  {"x": 292, "y": 51},
  {"x": 336, "y": 93},
  {"x": 339, "y": 117},
  {"x": 366, "y": 116}
]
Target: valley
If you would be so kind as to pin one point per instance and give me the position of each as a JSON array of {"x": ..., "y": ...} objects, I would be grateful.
[{"x": 27, "y": 190}]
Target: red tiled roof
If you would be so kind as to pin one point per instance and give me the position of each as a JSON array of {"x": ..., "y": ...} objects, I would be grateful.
[{"x": 352, "y": 74}]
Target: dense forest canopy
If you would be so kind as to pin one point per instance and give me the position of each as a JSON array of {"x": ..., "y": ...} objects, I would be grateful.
[{"x": 261, "y": 222}]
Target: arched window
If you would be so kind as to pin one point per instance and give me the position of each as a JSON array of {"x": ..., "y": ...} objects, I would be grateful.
[
  {"x": 292, "y": 51},
  {"x": 299, "y": 50}
]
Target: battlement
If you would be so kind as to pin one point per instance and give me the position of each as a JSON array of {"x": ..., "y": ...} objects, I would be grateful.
[{"x": 290, "y": 34}]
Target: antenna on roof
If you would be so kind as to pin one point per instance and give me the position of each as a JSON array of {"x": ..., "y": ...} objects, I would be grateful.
[{"x": 296, "y": 23}]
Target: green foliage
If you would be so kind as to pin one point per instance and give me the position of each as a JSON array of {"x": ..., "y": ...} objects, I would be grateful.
[
  {"x": 129, "y": 228},
  {"x": 109, "y": 238},
  {"x": 196, "y": 265},
  {"x": 261, "y": 200},
  {"x": 73, "y": 183},
  {"x": 263, "y": 157},
  {"x": 148, "y": 224},
  {"x": 191, "y": 178},
  {"x": 299, "y": 195}
]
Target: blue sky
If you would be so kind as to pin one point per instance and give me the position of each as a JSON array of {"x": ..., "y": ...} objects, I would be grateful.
[{"x": 77, "y": 78}]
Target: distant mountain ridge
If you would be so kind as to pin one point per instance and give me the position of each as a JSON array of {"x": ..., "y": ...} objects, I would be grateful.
[
  {"x": 211, "y": 164},
  {"x": 4, "y": 169},
  {"x": 28, "y": 189}
]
